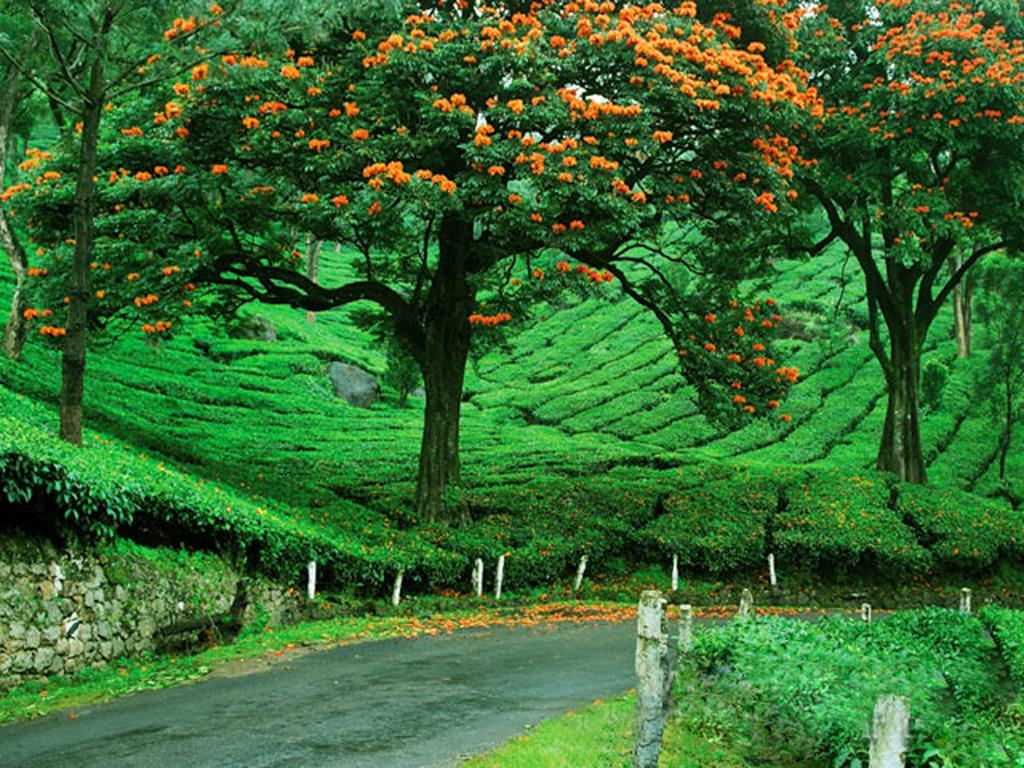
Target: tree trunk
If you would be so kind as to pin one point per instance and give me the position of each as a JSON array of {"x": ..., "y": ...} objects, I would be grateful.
[
  {"x": 312, "y": 267},
  {"x": 449, "y": 304},
  {"x": 1006, "y": 438},
  {"x": 961, "y": 307},
  {"x": 73, "y": 360},
  {"x": 901, "y": 452},
  {"x": 14, "y": 330}
]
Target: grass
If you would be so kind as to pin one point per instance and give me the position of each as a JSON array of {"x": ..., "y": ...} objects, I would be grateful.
[{"x": 600, "y": 736}]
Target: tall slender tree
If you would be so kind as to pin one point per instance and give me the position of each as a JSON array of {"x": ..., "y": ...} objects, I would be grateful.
[{"x": 919, "y": 156}]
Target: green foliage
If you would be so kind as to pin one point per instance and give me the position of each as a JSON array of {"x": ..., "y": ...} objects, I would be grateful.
[
  {"x": 813, "y": 686},
  {"x": 402, "y": 374},
  {"x": 934, "y": 376},
  {"x": 963, "y": 532},
  {"x": 843, "y": 522}
]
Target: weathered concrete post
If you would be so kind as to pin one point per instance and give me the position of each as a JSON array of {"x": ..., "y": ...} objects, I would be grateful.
[
  {"x": 580, "y": 570},
  {"x": 675, "y": 573},
  {"x": 311, "y": 580},
  {"x": 965, "y": 600},
  {"x": 654, "y": 678},
  {"x": 478, "y": 577},
  {"x": 396, "y": 591},
  {"x": 746, "y": 604},
  {"x": 772, "y": 579},
  {"x": 685, "y": 628},
  {"x": 499, "y": 577},
  {"x": 865, "y": 612},
  {"x": 890, "y": 732}
]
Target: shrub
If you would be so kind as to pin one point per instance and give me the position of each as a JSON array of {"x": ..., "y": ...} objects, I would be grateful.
[{"x": 846, "y": 522}]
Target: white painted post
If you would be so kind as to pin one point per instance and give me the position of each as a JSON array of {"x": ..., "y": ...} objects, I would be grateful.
[
  {"x": 685, "y": 628},
  {"x": 746, "y": 604},
  {"x": 499, "y": 577},
  {"x": 580, "y": 570},
  {"x": 311, "y": 580},
  {"x": 865, "y": 612},
  {"x": 772, "y": 579},
  {"x": 654, "y": 678},
  {"x": 890, "y": 731},
  {"x": 478, "y": 577},
  {"x": 675, "y": 573},
  {"x": 965, "y": 600},
  {"x": 396, "y": 591}
]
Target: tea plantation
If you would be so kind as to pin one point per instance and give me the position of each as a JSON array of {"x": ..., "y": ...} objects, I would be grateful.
[{"x": 579, "y": 437}]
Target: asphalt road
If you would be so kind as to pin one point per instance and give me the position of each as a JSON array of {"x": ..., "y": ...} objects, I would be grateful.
[{"x": 427, "y": 702}]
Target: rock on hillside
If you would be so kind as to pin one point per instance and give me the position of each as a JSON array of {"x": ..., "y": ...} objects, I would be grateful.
[{"x": 354, "y": 385}]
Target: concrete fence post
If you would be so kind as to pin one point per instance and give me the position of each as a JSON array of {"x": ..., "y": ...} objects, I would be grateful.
[
  {"x": 396, "y": 590},
  {"x": 499, "y": 577},
  {"x": 478, "y": 577},
  {"x": 865, "y": 612},
  {"x": 685, "y": 628},
  {"x": 965, "y": 600},
  {"x": 675, "y": 573},
  {"x": 580, "y": 570},
  {"x": 746, "y": 604},
  {"x": 311, "y": 580},
  {"x": 654, "y": 678},
  {"x": 772, "y": 578},
  {"x": 890, "y": 732}
]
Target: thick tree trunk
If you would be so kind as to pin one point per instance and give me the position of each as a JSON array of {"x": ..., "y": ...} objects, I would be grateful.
[
  {"x": 901, "y": 452},
  {"x": 961, "y": 308},
  {"x": 14, "y": 330},
  {"x": 312, "y": 267},
  {"x": 449, "y": 304},
  {"x": 73, "y": 360}
]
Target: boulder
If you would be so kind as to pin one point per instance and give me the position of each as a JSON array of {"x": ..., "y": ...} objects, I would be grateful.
[
  {"x": 253, "y": 329},
  {"x": 354, "y": 385}
]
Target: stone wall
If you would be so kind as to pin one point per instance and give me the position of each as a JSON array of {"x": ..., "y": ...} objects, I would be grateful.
[{"x": 65, "y": 609}]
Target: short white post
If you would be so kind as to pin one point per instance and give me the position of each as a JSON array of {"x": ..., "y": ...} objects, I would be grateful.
[
  {"x": 654, "y": 678},
  {"x": 865, "y": 612},
  {"x": 685, "y": 628},
  {"x": 675, "y": 573},
  {"x": 890, "y": 732},
  {"x": 311, "y": 580},
  {"x": 478, "y": 577},
  {"x": 499, "y": 577},
  {"x": 746, "y": 604},
  {"x": 580, "y": 570},
  {"x": 965, "y": 600},
  {"x": 396, "y": 590},
  {"x": 772, "y": 579}
]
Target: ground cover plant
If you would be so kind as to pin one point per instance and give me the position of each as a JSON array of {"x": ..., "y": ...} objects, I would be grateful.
[{"x": 805, "y": 691}]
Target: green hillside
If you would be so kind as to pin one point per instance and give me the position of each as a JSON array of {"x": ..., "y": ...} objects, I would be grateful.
[{"x": 578, "y": 437}]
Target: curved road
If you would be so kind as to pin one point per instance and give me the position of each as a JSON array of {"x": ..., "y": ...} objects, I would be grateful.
[{"x": 422, "y": 703}]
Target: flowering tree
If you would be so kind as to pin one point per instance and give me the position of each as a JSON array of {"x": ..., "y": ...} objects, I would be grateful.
[
  {"x": 470, "y": 159},
  {"x": 918, "y": 157}
]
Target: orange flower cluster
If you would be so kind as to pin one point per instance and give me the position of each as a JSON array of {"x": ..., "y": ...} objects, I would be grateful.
[
  {"x": 394, "y": 171},
  {"x": 180, "y": 26},
  {"x": 490, "y": 321},
  {"x": 145, "y": 301},
  {"x": 456, "y": 101},
  {"x": 53, "y": 331},
  {"x": 159, "y": 327},
  {"x": 790, "y": 375}
]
